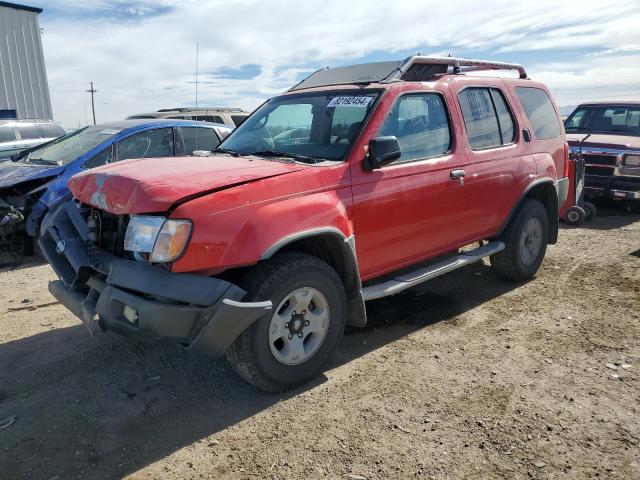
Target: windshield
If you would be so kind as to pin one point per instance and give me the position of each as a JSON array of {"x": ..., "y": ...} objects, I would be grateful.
[
  {"x": 317, "y": 126},
  {"x": 70, "y": 147},
  {"x": 622, "y": 119}
]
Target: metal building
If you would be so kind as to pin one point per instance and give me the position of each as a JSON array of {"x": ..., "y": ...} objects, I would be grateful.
[{"x": 24, "y": 91}]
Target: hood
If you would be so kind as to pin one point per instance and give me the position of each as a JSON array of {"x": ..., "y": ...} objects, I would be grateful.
[
  {"x": 13, "y": 173},
  {"x": 154, "y": 185},
  {"x": 603, "y": 140}
]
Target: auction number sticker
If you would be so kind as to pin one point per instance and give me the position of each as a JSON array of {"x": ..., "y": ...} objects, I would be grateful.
[{"x": 358, "y": 102}]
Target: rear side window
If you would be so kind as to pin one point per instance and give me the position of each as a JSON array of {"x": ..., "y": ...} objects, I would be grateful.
[
  {"x": 487, "y": 118},
  {"x": 7, "y": 134},
  {"x": 149, "y": 144},
  {"x": 28, "y": 132},
  {"x": 49, "y": 130},
  {"x": 539, "y": 109},
  {"x": 199, "y": 139},
  {"x": 238, "y": 119},
  {"x": 421, "y": 125}
]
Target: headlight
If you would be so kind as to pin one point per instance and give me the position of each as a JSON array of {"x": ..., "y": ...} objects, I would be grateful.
[
  {"x": 632, "y": 160},
  {"x": 163, "y": 239}
]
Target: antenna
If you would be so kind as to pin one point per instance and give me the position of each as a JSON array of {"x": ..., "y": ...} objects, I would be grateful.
[{"x": 197, "y": 52}]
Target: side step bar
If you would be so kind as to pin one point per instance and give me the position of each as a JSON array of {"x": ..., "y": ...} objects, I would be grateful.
[{"x": 411, "y": 279}]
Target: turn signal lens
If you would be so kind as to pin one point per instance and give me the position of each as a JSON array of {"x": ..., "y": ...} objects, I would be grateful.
[
  {"x": 632, "y": 160},
  {"x": 171, "y": 241}
]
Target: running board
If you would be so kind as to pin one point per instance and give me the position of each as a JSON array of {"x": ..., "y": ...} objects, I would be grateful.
[{"x": 411, "y": 279}]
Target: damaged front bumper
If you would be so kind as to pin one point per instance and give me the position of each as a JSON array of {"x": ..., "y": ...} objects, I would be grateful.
[{"x": 138, "y": 299}]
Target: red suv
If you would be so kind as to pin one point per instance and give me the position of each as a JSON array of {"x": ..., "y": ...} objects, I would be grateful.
[{"x": 356, "y": 184}]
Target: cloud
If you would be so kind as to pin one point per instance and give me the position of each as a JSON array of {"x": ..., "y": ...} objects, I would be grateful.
[{"x": 141, "y": 55}]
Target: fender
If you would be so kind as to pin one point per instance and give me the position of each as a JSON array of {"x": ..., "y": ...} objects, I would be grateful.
[
  {"x": 348, "y": 269},
  {"x": 554, "y": 206}
]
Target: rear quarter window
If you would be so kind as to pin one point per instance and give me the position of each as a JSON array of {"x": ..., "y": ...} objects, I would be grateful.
[{"x": 540, "y": 112}]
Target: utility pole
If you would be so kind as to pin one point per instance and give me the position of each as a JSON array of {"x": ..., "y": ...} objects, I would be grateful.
[{"x": 93, "y": 105}]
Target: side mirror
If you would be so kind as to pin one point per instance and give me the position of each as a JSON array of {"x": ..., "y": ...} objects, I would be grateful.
[{"x": 382, "y": 151}]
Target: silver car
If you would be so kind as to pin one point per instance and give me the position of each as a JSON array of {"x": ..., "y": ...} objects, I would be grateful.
[{"x": 19, "y": 135}]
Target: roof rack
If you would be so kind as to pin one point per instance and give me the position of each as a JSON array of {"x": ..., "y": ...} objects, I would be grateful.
[
  {"x": 200, "y": 109},
  {"x": 459, "y": 65},
  {"x": 417, "y": 68}
]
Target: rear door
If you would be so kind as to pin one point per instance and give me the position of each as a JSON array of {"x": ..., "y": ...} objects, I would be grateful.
[
  {"x": 413, "y": 208},
  {"x": 499, "y": 160}
]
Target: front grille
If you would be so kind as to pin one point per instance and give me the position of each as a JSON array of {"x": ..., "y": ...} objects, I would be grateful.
[
  {"x": 593, "y": 159},
  {"x": 599, "y": 171},
  {"x": 108, "y": 231}
]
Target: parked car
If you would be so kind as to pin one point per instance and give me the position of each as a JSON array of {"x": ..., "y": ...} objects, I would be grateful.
[
  {"x": 30, "y": 185},
  {"x": 607, "y": 135},
  {"x": 19, "y": 135},
  {"x": 410, "y": 170},
  {"x": 227, "y": 116}
]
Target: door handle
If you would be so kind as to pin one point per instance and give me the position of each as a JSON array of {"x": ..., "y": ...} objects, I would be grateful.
[{"x": 457, "y": 175}]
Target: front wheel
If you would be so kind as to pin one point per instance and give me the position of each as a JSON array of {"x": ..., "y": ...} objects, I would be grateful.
[
  {"x": 290, "y": 344},
  {"x": 525, "y": 240}
]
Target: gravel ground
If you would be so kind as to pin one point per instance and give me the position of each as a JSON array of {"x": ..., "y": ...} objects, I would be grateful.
[{"x": 467, "y": 376}]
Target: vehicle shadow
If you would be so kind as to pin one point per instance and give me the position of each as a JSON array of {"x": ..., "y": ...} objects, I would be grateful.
[
  {"x": 28, "y": 262},
  {"x": 104, "y": 407}
]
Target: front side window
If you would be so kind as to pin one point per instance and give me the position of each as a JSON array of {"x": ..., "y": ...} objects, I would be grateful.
[
  {"x": 100, "y": 158},
  {"x": 148, "y": 144},
  {"x": 540, "y": 112},
  {"x": 487, "y": 118},
  {"x": 318, "y": 126},
  {"x": 7, "y": 134},
  {"x": 28, "y": 132},
  {"x": 622, "y": 119},
  {"x": 420, "y": 123},
  {"x": 199, "y": 139},
  {"x": 50, "y": 130}
]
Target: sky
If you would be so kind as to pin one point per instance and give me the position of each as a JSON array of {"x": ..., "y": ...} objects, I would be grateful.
[{"x": 141, "y": 55}]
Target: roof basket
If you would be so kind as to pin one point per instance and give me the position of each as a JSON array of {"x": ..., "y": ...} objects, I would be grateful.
[
  {"x": 200, "y": 109},
  {"x": 414, "y": 67},
  {"x": 418, "y": 68}
]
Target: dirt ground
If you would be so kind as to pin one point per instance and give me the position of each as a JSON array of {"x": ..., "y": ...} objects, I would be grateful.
[{"x": 465, "y": 377}]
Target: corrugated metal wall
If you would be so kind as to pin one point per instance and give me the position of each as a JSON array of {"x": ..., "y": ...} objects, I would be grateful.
[{"x": 23, "y": 78}]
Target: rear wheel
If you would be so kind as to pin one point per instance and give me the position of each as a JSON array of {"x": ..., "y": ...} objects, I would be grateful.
[
  {"x": 525, "y": 240},
  {"x": 591, "y": 211},
  {"x": 290, "y": 344}
]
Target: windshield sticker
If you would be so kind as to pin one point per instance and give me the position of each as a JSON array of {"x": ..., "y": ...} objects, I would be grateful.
[
  {"x": 110, "y": 131},
  {"x": 358, "y": 102}
]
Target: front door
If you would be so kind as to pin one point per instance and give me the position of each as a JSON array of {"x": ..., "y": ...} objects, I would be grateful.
[{"x": 416, "y": 207}]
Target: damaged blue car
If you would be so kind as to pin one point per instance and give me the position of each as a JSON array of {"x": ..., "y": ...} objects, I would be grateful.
[{"x": 37, "y": 178}]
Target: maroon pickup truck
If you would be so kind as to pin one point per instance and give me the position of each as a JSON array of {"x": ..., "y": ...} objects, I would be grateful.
[
  {"x": 356, "y": 184},
  {"x": 607, "y": 135}
]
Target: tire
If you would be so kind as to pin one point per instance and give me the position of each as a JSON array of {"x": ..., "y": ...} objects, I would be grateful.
[
  {"x": 591, "y": 211},
  {"x": 575, "y": 215},
  {"x": 525, "y": 239},
  {"x": 267, "y": 362}
]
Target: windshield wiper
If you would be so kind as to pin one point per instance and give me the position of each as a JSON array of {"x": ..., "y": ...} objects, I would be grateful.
[
  {"x": 294, "y": 156},
  {"x": 44, "y": 161},
  {"x": 226, "y": 150}
]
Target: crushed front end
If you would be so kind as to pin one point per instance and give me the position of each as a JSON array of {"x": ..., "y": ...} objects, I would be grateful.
[
  {"x": 104, "y": 285},
  {"x": 11, "y": 235}
]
